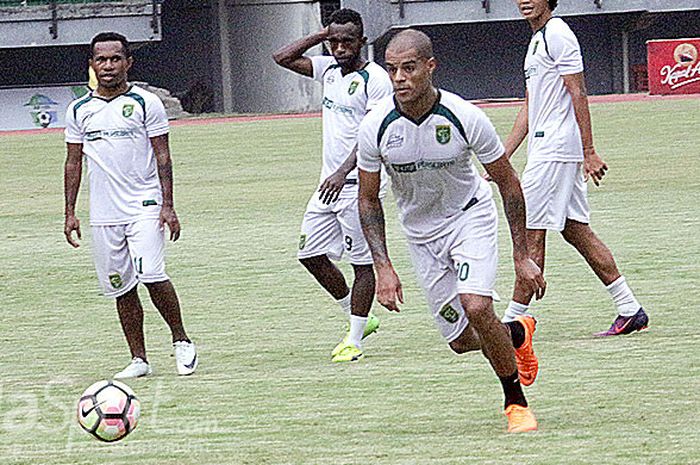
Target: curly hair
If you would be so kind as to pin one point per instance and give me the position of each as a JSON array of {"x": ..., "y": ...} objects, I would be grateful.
[{"x": 345, "y": 16}]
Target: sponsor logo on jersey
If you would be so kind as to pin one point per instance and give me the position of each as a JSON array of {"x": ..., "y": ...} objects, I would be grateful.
[
  {"x": 531, "y": 71},
  {"x": 449, "y": 314},
  {"x": 91, "y": 136},
  {"x": 443, "y": 133},
  {"x": 337, "y": 108},
  {"x": 353, "y": 87},
  {"x": 395, "y": 141},
  {"x": 128, "y": 110},
  {"x": 116, "y": 280},
  {"x": 422, "y": 165}
]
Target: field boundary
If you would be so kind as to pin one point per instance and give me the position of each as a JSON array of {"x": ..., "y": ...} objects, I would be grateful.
[{"x": 593, "y": 99}]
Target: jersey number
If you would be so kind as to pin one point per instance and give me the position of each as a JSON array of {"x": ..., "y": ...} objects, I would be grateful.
[
  {"x": 463, "y": 271},
  {"x": 348, "y": 243}
]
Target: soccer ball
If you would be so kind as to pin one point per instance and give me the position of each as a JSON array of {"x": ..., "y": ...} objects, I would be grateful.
[
  {"x": 44, "y": 118},
  {"x": 108, "y": 410}
]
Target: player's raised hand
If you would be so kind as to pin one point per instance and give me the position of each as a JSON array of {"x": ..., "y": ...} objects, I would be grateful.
[
  {"x": 530, "y": 277},
  {"x": 330, "y": 189},
  {"x": 169, "y": 217},
  {"x": 593, "y": 166},
  {"x": 72, "y": 224},
  {"x": 389, "y": 290}
]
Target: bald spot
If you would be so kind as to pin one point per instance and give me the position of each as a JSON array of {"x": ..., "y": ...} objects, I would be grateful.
[{"x": 411, "y": 39}]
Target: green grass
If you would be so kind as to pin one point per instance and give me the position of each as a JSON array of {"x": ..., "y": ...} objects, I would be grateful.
[{"x": 266, "y": 392}]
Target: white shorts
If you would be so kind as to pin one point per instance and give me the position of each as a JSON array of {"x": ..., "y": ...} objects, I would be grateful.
[
  {"x": 333, "y": 230},
  {"x": 127, "y": 254},
  {"x": 555, "y": 191},
  {"x": 462, "y": 262}
]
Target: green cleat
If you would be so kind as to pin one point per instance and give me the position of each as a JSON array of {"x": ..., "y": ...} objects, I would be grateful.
[
  {"x": 347, "y": 353},
  {"x": 371, "y": 327}
]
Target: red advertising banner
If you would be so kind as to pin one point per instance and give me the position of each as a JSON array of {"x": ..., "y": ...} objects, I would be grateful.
[{"x": 673, "y": 66}]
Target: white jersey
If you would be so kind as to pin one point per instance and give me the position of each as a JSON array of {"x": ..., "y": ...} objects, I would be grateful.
[
  {"x": 346, "y": 101},
  {"x": 429, "y": 161},
  {"x": 554, "y": 134},
  {"x": 124, "y": 183}
]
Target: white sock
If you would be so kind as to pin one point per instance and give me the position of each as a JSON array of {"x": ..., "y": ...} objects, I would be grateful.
[
  {"x": 357, "y": 329},
  {"x": 345, "y": 304},
  {"x": 623, "y": 298},
  {"x": 513, "y": 311}
]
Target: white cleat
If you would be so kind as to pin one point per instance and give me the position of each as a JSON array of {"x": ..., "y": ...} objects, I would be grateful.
[
  {"x": 185, "y": 357},
  {"x": 136, "y": 369}
]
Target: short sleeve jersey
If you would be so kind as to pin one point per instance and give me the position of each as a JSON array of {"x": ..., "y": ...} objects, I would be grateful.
[
  {"x": 429, "y": 161},
  {"x": 554, "y": 134},
  {"x": 346, "y": 101},
  {"x": 123, "y": 177}
]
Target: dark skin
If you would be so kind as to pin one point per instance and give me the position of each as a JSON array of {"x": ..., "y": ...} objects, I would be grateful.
[
  {"x": 111, "y": 65},
  {"x": 345, "y": 42},
  {"x": 411, "y": 75}
]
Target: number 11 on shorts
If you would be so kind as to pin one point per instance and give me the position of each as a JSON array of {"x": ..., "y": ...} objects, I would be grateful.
[{"x": 138, "y": 264}]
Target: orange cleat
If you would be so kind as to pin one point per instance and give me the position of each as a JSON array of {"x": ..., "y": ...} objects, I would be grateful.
[
  {"x": 520, "y": 419},
  {"x": 528, "y": 365}
]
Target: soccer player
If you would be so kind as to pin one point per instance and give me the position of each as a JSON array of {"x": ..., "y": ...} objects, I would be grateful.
[
  {"x": 123, "y": 132},
  {"x": 331, "y": 226},
  {"x": 425, "y": 138},
  {"x": 561, "y": 158}
]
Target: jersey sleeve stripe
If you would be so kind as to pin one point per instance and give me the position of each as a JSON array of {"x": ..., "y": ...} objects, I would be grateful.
[
  {"x": 388, "y": 119},
  {"x": 80, "y": 104},
  {"x": 138, "y": 98}
]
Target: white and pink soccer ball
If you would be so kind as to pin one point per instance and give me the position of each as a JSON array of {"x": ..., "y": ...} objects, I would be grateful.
[{"x": 109, "y": 410}]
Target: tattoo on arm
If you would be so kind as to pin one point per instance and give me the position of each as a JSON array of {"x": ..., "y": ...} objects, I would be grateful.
[{"x": 373, "y": 226}]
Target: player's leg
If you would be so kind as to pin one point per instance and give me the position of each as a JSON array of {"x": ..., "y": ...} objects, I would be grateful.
[
  {"x": 631, "y": 316},
  {"x": 577, "y": 232},
  {"x": 146, "y": 241},
  {"x": 117, "y": 278},
  {"x": 321, "y": 241},
  {"x": 547, "y": 187},
  {"x": 497, "y": 346},
  {"x": 362, "y": 322}
]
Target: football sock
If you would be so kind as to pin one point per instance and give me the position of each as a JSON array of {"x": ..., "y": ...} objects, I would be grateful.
[
  {"x": 513, "y": 311},
  {"x": 512, "y": 390},
  {"x": 517, "y": 333},
  {"x": 357, "y": 328},
  {"x": 623, "y": 298},
  {"x": 345, "y": 303}
]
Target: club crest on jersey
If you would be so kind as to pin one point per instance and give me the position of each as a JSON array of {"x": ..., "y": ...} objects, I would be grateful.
[
  {"x": 128, "y": 110},
  {"x": 443, "y": 133},
  {"x": 116, "y": 280},
  {"x": 353, "y": 87}
]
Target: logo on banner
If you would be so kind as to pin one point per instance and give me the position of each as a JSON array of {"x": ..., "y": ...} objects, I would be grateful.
[
  {"x": 43, "y": 110},
  {"x": 685, "y": 71}
]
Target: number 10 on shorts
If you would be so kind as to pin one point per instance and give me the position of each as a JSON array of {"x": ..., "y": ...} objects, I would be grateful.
[{"x": 463, "y": 271}]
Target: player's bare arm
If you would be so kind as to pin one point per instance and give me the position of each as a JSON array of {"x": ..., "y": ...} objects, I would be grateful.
[
  {"x": 332, "y": 186},
  {"x": 520, "y": 129},
  {"x": 161, "y": 149},
  {"x": 526, "y": 271},
  {"x": 72, "y": 172},
  {"x": 388, "y": 288},
  {"x": 593, "y": 165},
  {"x": 292, "y": 56},
  {"x": 517, "y": 134}
]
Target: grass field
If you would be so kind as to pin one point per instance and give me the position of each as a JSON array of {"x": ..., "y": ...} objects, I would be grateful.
[{"x": 266, "y": 392}]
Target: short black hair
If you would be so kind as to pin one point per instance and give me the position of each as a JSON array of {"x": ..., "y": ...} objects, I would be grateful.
[
  {"x": 345, "y": 16},
  {"x": 110, "y": 37},
  {"x": 552, "y": 4}
]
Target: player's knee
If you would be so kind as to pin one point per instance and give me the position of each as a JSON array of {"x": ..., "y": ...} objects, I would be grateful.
[{"x": 479, "y": 309}]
